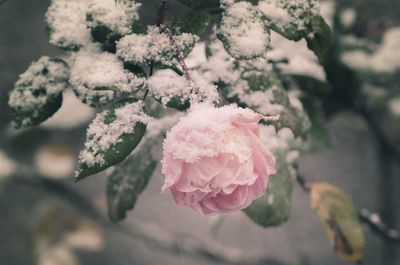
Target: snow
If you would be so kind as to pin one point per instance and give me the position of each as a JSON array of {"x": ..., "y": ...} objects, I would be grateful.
[
  {"x": 100, "y": 136},
  {"x": 347, "y": 17},
  {"x": 328, "y": 11},
  {"x": 119, "y": 17},
  {"x": 98, "y": 70},
  {"x": 219, "y": 66},
  {"x": 289, "y": 13},
  {"x": 92, "y": 71},
  {"x": 301, "y": 60},
  {"x": 270, "y": 199},
  {"x": 394, "y": 106},
  {"x": 207, "y": 131},
  {"x": 73, "y": 113},
  {"x": 384, "y": 60},
  {"x": 261, "y": 101},
  {"x": 243, "y": 31},
  {"x": 166, "y": 84},
  {"x": 7, "y": 167},
  {"x": 141, "y": 49},
  {"x": 54, "y": 161},
  {"x": 66, "y": 20}
]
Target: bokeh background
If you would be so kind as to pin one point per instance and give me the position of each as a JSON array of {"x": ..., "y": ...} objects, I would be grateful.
[{"x": 36, "y": 212}]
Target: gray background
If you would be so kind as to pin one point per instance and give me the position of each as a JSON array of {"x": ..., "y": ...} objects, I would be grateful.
[{"x": 354, "y": 163}]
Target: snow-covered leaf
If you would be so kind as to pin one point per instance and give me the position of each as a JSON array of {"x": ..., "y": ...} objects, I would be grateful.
[
  {"x": 38, "y": 92},
  {"x": 128, "y": 180},
  {"x": 273, "y": 208},
  {"x": 112, "y": 136},
  {"x": 290, "y": 18},
  {"x": 173, "y": 90},
  {"x": 109, "y": 21},
  {"x": 340, "y": 220},
  {"x": 368, "y": 58},
  {"x": 243, "y": 32},
  {"x": 95, "y": 77},
  {"x": 154, "y": 46},
  {"x": 66, "y": 22},
  {"x": 260, "y": 89}
]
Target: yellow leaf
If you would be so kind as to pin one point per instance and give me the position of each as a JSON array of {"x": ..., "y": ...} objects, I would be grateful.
[{"x": 340, "y": 220}]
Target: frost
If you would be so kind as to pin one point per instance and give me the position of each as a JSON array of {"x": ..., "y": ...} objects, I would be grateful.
[
  {"x": 141, "y": 49},
  {"x": 120, "y": 18},
  {"x": 101, "y": 134},
  {"x": 243, "y": 32},
  {"x": 7, "y": 167},
  {"x": 93, "y": 73},
  {"x": 384, "y": 60},
  {"x": 166, "y": 85},
  {"x": 66, "y": 20},
  {"x": 71, "y": 114}
]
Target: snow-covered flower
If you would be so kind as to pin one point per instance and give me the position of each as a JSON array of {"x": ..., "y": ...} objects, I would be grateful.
[{"x": 214, "y": 161}]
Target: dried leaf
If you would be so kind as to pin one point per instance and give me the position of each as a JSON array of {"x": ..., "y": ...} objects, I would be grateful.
[{"x": 340, "y": 220}]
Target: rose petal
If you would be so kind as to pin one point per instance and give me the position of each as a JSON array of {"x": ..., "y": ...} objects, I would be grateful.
[
  {"x": 172, "y": 170},
  {"x": 230, "y": 169}
]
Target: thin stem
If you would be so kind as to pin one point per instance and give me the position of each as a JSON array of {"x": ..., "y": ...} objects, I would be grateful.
[
  {"x": 375, "y": 223},
  {"x": 179, "y": 54},
  {"x": 185, "y": 70},
  {"x": 159, "y": 21}
]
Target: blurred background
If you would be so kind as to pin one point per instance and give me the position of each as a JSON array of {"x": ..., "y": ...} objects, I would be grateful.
[{"x": 47, "y": 219}]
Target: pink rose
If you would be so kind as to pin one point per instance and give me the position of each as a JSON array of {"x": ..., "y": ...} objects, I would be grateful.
[{"x": 214, "y": 161}]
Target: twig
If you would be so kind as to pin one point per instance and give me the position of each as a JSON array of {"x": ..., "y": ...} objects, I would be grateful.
[
  {"x": 375, "y": 223},
  {"x": 159, "y": 22}
]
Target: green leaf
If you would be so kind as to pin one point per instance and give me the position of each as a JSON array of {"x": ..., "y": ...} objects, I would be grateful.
[
  {"x": 318, "y": 135},
  {"x": 311, "y": 85},
  {"x": 38, "y": 92},
  {"x": 128, "y": 180},
  {"x": 111, "y": 137},
  {"x": 273, "y": 208},
  {"x": 336, "y": 212},
  {"x": 320, "y": 41},
  {"x": 195, "y": 22}
]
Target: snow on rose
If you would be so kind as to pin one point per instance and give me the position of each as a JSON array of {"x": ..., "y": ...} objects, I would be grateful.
[{"x": 214, "y": 161}]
